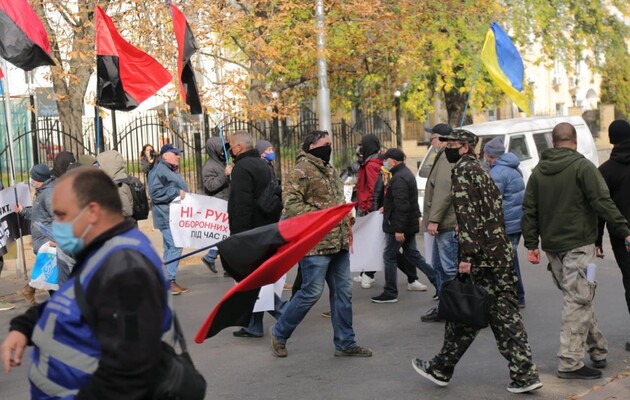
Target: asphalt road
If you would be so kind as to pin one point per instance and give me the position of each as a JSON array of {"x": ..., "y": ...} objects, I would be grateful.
[{"x": 238, "y": 368}]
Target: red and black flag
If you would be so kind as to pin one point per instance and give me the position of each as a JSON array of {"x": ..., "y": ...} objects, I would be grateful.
[
  {"x": 260, "y": 257},
  {"x": 126, "y": 75},
  {"x": 186, "y": 47},
  {"x": 23, "y": 39}
]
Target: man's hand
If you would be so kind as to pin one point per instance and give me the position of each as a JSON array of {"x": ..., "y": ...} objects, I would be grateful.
[
  {"x": 12, "y": 349},
  {"x": 380, "y": 210},
  {"x": 52, "y": 244},
  {"x": 18, "y": 208},
  {"x": 432, "y": 228},
  {"x": 599, "y": 252},
  {"x": 464, "y": 267},
  {"x": 228, "y": 170},
  {"x": 627, "y": 243},
  {"x": 400, "y": 237},
  {"x": 182, "y": 194},
  {"x": 533, "y": 256}
]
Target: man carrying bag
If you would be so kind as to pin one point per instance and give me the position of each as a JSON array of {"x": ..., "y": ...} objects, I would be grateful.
[{"x": 486, "y": 254}]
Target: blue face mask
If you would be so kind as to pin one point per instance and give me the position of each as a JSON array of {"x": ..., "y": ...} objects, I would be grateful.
[
  {"x": 64, "y": 236},
  {"x": 269, "y": 156},
  {"x": 386, "y": 165}
]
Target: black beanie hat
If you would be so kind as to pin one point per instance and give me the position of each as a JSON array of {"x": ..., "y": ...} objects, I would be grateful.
[
  {"x": 40, "y": 172},
  {"x": 619, "y": 131}
]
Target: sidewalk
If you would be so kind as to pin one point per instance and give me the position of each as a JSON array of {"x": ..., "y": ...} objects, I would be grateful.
[
  {"x": 11, "y": 285},
  {"x": 618, "y": 388}
]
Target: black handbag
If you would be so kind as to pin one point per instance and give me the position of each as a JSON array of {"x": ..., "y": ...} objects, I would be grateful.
[
  {"x": 176, "y": 376},
  {"x": 463, "y": 301}
]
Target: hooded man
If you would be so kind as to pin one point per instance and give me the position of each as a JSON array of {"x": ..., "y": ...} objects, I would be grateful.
[
  {"x": 616, "y": 173},
  {"x": 61, "y": 163},
  {"x": 113, "y": 163}
]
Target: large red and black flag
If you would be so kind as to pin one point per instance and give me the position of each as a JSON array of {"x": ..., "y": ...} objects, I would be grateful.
[
  {"x": 23, "y": 39},
  {"x": 126, "y": 75},
  {"x": 186, "y": 47},
  {"x": 260, "y": 257}
]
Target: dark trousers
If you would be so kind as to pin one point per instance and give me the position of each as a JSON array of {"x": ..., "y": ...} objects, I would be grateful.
[
  {"x": 623, "y": 261},
  {"x": 505, "y": 322}
]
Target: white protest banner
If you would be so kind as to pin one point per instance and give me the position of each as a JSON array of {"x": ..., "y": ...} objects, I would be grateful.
[
  {"x": 428, "y": 246},
  {"x": 265, "y": 300},
  {"x": 368, "y": 243},
  {"x": 198, "y": 221},
  {"x": 10, "y": 225}
]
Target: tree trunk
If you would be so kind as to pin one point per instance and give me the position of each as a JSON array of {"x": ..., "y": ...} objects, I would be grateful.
[{"x": 455, "y": 104}]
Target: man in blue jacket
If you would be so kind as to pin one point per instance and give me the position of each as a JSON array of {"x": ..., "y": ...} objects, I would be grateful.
[
  {"x": 165, "y": 184},
  {"x": 509, "y": 180}
]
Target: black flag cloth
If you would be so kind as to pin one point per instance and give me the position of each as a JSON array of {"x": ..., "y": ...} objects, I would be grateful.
[
  {"x": 260, "y": 257},
  {"x": 186, "y": 47},
  {"x": 23, "y": 39},
  {"x": 126, "y": 75}
]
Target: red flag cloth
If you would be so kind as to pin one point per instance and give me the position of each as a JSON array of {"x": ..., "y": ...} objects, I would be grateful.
[
  {"x": 126, "y": 75},
  {"x": 269, "y": 251},
  {"x": 23, "y": 39},
  {"x": 1, "y": 73},
  {"x": 186, "y": 47}
]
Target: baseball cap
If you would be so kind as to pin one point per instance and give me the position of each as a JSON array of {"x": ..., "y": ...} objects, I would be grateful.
[
  {"x": 442, "y": 129},
  {"x": 461, "y": 135},
  {"x": 394, "y": 154},
  {"x": 169, "y": 147}
]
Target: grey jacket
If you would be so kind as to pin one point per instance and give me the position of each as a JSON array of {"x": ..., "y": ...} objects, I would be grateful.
[
  {"x": 40, "y": 212},
  {"x": 164, "y": 187},
  {"x": 113, "y": 164},
  {"x": 215, "y": 182},
  {"x": 438, "y": 198}
]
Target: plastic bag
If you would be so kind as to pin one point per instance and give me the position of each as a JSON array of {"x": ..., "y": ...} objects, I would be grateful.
[{"x": 45, "y": 274}]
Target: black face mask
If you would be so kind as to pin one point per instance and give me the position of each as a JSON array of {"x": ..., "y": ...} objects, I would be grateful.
[
  {"x": 452, "y": 155},
  {"x": 323, "y": 153}
]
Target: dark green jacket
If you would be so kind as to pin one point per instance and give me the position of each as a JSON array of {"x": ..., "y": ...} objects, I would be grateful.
[{"x": 564, "y": 195}]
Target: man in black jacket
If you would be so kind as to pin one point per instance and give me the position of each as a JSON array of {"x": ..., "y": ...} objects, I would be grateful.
[
  {"x": 401, "y": 222},
  {"x": 616, "y": 173},
  {"x": 116, "y": 355},
  {"x": 251, "y": 175}
]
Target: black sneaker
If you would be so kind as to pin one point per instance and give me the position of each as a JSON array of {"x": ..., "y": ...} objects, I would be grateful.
[
  {"x": 628, "y": 346},
  {"x": 599, "y": 364},
  {"x": 524, "y": 387},
  {"x": 582, "y": 373},
  {"x": 431, "y": 316},
  {"x": 426, "y": 371},
  {"x": 209, "y": 264},
  {"x": 383, "y": 298}
]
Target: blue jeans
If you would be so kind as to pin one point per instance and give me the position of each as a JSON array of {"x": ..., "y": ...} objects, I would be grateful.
[
  {"x": 444, "y": 259},
  {"x": 255, "y": 326},
  {"x": 333, "y": 269},
  {"x": 170, "y": 252},
  {"x": 411, "y": 254},
  {"x": 520, "y": 290},
  {"x": 211, "y": 255}
]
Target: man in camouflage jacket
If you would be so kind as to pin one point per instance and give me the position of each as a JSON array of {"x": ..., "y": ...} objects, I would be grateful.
[
  {"x": 486, "y": 253},
  {"x": 314, "y": 185}
]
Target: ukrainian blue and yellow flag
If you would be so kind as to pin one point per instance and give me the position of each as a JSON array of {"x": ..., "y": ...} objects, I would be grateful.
[{"x": 504, "y": 64}]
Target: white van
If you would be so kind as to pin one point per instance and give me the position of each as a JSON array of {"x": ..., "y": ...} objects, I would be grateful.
[{"x": 525, "y": 137}]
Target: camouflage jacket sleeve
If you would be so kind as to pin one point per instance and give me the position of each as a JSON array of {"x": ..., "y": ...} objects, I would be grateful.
[
  {"x": 466, "y": 201},
  {"x": 294, "y": 191}
]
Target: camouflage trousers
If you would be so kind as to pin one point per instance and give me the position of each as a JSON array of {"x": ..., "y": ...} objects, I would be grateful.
[
  {"x": 579, "y": 325},
  {"x": 506, "y": 324}
]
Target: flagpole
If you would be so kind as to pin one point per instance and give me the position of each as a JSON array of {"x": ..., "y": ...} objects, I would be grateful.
[
  {"x": 470, "y": 92},
  {"x": 7, "y": 112},
  {"x": 190, "y": 254}
]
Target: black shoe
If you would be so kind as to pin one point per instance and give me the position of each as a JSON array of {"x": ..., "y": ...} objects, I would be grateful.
[
  {"x": 627, "y": 346},
  {"x": 383, "y": 298},
  {"x": 582, "y": 373},
  {"x": 243, "y": 333},
  {"x": 522, "y": 387},
  {"x": 209, "y": 264},
  {"x": 435, "y": 297},
  {"x": 425, "y": 370},
  {"x": 599, "y": 364},
  {"x": 431, "y": 316}
]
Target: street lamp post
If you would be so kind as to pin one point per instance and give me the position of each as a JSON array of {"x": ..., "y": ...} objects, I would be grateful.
[{"x": 398, "y": 127}]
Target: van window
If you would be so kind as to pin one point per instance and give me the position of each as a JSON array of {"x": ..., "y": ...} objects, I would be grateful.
[
  {"x": 427, "y": 163},
  {"x": 518, "y": 146},
  {"x": 543, "y": 142}
]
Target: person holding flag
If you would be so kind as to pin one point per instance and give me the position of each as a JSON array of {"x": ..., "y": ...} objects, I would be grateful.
[{"x": 314, "y": 185}]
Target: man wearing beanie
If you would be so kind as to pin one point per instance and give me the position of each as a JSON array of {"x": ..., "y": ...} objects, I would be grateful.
[
  {"x": 40, "y": 212},
  {"x": 439, "y": 216},
  {"x": 509, "y": 180},
  {"x": 616, "y": 173}
]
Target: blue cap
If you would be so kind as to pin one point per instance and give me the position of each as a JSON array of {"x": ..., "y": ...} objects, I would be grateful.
[{"x": 169, "y": 147}]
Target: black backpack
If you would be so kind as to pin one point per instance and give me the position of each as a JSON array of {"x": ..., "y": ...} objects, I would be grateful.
[
  {"x": 269, "y": 202},
  {"x": 140, "y": 199}
]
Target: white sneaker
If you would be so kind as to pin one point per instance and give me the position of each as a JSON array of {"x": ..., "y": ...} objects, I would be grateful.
[
  {"x": 366, "y": 281},
  {"x": 358, "y": 278},
  {"x": 417, "y": 286}
]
